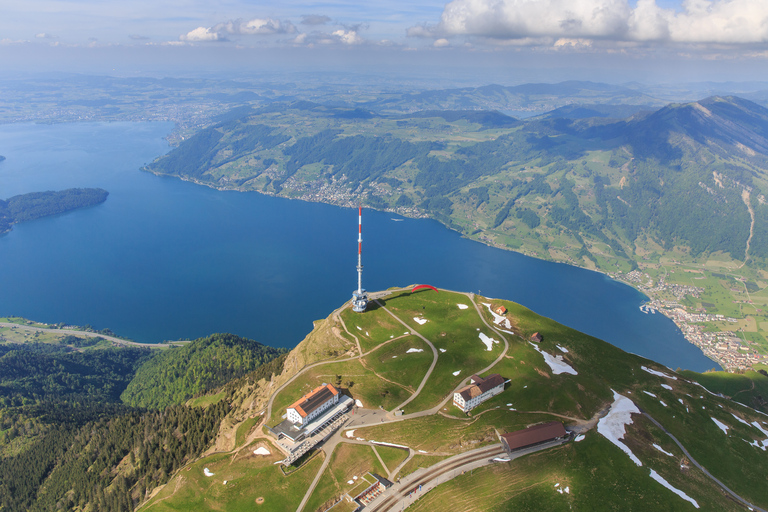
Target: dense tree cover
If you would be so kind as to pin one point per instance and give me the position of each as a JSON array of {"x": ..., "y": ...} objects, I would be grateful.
[
  {"x": 180, "y": 373},
  {"x": 41, "y": 204},
  {"x": 37, "y": 372},
  {"x": 71, "y": 466}
]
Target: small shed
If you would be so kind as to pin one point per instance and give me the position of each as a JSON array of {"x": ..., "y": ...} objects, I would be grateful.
[
  {"x": 500, "y": 310},
  {"x": 537, "y": 337}
]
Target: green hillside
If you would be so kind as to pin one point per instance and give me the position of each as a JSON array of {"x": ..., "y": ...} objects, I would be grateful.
[
  {"x": 681, "y": 188},
  {"x": 423, "y": 428},
  {"x": 34, "y": 205},
  {"x": 174, "y": 375}
]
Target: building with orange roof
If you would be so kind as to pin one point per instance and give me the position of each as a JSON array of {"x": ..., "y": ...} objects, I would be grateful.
[{"x": 312, "y": 405}]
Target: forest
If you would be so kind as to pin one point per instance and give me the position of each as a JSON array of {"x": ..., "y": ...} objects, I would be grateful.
[
  {"x": 69, "y": 441},
  {"x": 34, "y": 205}
]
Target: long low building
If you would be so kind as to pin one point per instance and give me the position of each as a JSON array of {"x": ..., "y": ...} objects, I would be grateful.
[
  {"x": 532, "y": 436},
  {"x": 313, "y": 404},
  {"x": 479, "y": 390}
]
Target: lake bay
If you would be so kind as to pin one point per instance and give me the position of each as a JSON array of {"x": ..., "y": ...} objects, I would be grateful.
[{"x": 163, "y": 259}]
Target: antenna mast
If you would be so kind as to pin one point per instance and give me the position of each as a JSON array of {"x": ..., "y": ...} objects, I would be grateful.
[{"x": 359, "y": 297}]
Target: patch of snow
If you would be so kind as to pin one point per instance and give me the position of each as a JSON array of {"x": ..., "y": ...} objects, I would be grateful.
[
  {"x": 420, "y": 321},
  {"x": 382, "y": 443},
  {"x": 456, "y": 373},
  {"x": 662, "y": 403},
  {"x": 556, "y": 363},
  {"x": 667, "y": 386},
  {"x": 366, "y": 333},
  {"x": 392, "y": 336},
  {"x": 506, "y": 331},
  {"x": 488, "y": 342},
  {"x": 740, "y": 420},
  {"x": 422, "y": 451},
  {"x": 407, "y": 332},
  {"x": 557, "y": 484},
  {"x": 721, "y": 425},
  {"x": 562, "y": 349},
  {"x": 579, "y": 437},
  {"x": 613, "y": 425},
  {"x": 657, "y": 373},
  {"x": 681, "y": 401},
  {"x": 261, "y": 451},
  {"x": 675, "y": 490},
  {"x": 350, "y": 482},
  {"x": 350, "y": 433},
  {"x": 662, "y": 450},
  {"x": 462, "y": 306},
  {"x": 649, "y": 393},
  {"x": 207, "y": 472},
  {"x": 412, "y": 350},
  {"x": 359, "y": 328},
  {"x": 358, "y": 403},
  {"x": 512, "y": 409},
  {"x": 761, "y": 429},
  {"x": 567, "y": 490},
  {"x": 509, "y": 405},
  {"x": 359, "y": 439},
  {"x": 442, "y": 350},
  {"x": 499, "y": 459},
  {"x": 394, "y": 357},
  {"x": 354, "y": 477},
  {"x": 525, "y": 387},
  {"x": 225, "y": 482}
]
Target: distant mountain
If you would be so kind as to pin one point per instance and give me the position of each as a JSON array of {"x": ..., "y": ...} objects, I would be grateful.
[
  {"x": 585, "y": 111},
  {"x": 575, "y": 184},
  {"x": 527, "y": 97}
]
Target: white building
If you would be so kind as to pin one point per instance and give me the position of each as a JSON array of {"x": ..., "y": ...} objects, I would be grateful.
[
  {"x": 479, "y": 390},
  {"x": 313, "y": 404}
]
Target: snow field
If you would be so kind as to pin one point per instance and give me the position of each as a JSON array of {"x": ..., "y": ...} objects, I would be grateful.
[
  {"x": 462, "y": 306},
  {"x": 555, "y": 363},
  {"x": 657, "y": 373},
  {"x": 261, "y": 451},
  {"x": 721, "y": 425},
  {"x": 662, "y": 450},
  {"x": 675, "y": 490},
  {"x": 207, "y": 472},
  {"x": 488, "y": 342},
  {"x": 613, "y": 425},
  {"x": 412, "y": 350},
  {"x": 420, "y": 320}
]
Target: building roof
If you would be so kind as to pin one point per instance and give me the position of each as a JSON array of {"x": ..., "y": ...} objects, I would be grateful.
[
  {"x": 533, "y": 435},
  {"x": 314, "y": 399},
  {"x": 480, "y": 385},
  {"x": 537, "y": 337}
]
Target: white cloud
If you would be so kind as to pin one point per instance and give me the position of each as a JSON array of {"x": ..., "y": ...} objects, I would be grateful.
[
  {"x": 348, "y": 36},
  {"x": 240, "y": 27},
  {"x": 200, "y": 34},
  {"x": 699, "y": 21},
  {"x": 439, "y": 43},
  {"x": 44, "y": 35}
]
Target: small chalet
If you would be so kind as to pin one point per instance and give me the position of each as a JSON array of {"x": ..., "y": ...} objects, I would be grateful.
[
  {"x": 533, "y": 436},
  {"x": 479, "y": 390},
  {"x": 537, "y": 337},
  {"x": 313, "y": 404},
  {"x": 500, "y": 310}
]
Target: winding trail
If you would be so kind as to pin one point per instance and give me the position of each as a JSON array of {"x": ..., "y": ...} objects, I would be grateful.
[
  {"x": 703, "y": 470},
  {"x": 88, "y": 334}
]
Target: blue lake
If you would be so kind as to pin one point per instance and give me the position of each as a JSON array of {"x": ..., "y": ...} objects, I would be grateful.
[{"x": 163, "y": 259}]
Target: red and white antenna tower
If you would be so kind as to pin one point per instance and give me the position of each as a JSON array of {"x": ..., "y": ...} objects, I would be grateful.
[{"x": 359, "y": 297}]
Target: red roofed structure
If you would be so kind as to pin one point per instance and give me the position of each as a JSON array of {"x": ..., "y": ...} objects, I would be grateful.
[
  {"x": 312, "y": 404},
  {"x": 479, "y": 390},
  {"x": 533, "y": 436}
]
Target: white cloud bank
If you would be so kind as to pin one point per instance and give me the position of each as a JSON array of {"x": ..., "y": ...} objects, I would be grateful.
[
  {"x": 699, "y": 21},
  {"x": 255, "y": 26}
]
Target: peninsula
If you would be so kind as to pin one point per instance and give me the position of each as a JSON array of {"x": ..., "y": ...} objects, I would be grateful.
[{"x": 34, "y": 205}]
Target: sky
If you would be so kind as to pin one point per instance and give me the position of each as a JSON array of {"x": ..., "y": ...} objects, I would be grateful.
[{"x": 471, "y": 40}]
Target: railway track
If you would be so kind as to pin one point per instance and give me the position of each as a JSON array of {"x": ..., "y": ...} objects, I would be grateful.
[{"x": 394, "y": 500}]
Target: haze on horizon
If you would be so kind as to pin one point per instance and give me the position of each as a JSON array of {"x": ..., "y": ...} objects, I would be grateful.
[{"x": 464, "y": 42}]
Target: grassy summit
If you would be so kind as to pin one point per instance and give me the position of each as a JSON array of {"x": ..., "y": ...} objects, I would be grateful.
[{"x": 383, "y": 356}]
